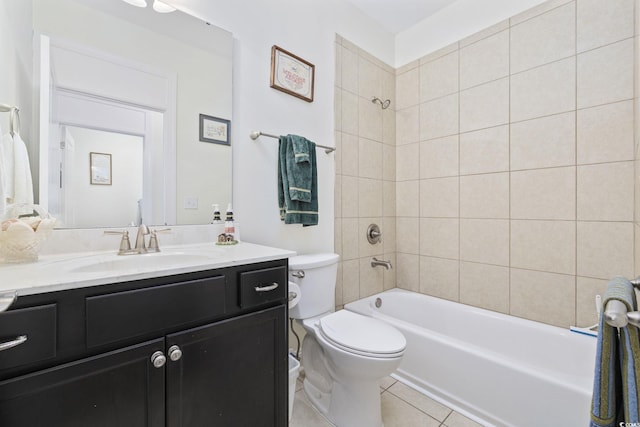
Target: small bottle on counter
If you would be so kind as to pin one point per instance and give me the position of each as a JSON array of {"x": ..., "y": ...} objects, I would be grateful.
[
  {"x": 217, "y": 219},
  {"x": 229, "y": 227}
]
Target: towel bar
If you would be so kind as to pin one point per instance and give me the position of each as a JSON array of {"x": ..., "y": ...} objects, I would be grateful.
[
  {"x": 615, "y": 313},
  {"x": 256, "y": 134}
]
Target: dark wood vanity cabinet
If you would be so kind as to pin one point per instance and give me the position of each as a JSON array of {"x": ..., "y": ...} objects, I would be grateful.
[{"x": 198, "y": 349}]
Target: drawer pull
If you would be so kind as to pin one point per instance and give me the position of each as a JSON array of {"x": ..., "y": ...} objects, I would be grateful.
[
  {"x": 267, "y": 288},
  {"x": 10, "y": 344},
  {"x": 175, "y": 353},
  {"x": 158, "y": 359},
  {"x": 6, "y": 299}
]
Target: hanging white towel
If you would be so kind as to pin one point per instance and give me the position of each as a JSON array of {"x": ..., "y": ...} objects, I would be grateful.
[{"x": 18, "y": 185}]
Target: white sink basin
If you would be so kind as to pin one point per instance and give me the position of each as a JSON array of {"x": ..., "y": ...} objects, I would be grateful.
[{"x": 151, "y": 261}]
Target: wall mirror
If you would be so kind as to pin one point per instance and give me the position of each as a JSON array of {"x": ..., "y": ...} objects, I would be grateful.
[{"x": 130, "y": 83}]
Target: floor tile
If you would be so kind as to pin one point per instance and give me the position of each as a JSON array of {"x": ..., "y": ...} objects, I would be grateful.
[
  {"x": 458, "y": 420},
  {"x": 420, "y": 401},
  {"x": 387, "y": 382},
  {"x": 305, "y": 415},
  {"x": 398, "y": 413}
]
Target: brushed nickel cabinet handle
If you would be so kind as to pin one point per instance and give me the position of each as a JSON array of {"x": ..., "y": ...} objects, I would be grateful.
[
  {"x": 158, "y": 359},
  {"x": 174, "y": 353},
  {"x": 267, "y": 288},
  {"x": 13, "y": 343}
]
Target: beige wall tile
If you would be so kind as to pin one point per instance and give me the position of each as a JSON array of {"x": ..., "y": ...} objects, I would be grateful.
[
  {"x": 350, "y": 280},
  {"x": 485, "y": 286},
  {"x": 485, "y": 60},
  {"x": 439, "y": 53},
  {"x": 369, "y": 120},
  {"x": 389, "y": 125},
  {"x": 337, "y": 108},
  {"x": 388, "y": 198},
  {"x": 369, "y": 201},
  {"x": 538, "y": 10},
  {"x": 485, "y": 241},
  {"x": 439, "y": 197},
  {"x": 605, "y": 133},
  {"x": 439, "y": 117},
  {"x": 388, "y": 162},
  {"x": 544, "y": 142},
  {"x": 407, "y": 236},
  {"x": 605, "y": 74},
  {"x": 369, "y": 79},
  {"x": 544, "y": 90},
  {"x": 407, "y": 198},
  {"x": 484, "y": 151},
  {"x": 349, "y": 113},
  {"x": 544, "y": 194},
  {"x": 439, "y": 77},
  {"x": 337, "y": 236},
  {"x": 389, "y": 276},
  {"x": 586, "y": 291},
  {"x": 603, "y": 22},
  {"x": 349, "y": 196},
  {"x": 408, "y": 89},
  {"x": 439, "y": 237},
  {"x": 408, "y": 273},
  {"x": 350, "y": 150},
  {"x": 338, "y": 64},
  {"x": 388, "y": 230},
  {"x": 486, "y": 33},
  {"x": 408, "y": 162},
  {"x": 369, "y": 159},
  {"x": 543, "y": 39},
  {"x": 605, "y": 249},
  {"x": 544, "y": 245},
  {"x": 439, "y": 157},
  {"x": 389, "y": 86},
  {"x": 350, "y": 246},
  {"x": 371, "y": 278},
  {"x": 606, "y": 192},
  {"x": 484, "y": 196},
  {"x": 544, "y": 297},
  {"x": 439, "y": 277},
  {"x": 349, "y": 61},
  {"x": 337, "y": 197},
  {"x": 408, "y": 125},
  {"x": 484, "y": 106}
]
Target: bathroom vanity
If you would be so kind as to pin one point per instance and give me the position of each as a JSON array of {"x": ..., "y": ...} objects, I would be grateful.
[{"x": 202, "y": 344}]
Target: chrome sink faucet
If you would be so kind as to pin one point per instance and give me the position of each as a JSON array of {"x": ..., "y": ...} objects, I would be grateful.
[{"x": 140, "y": 246}]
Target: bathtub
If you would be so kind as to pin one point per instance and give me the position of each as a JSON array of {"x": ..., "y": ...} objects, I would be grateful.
[{"x": 496, "y": 369}]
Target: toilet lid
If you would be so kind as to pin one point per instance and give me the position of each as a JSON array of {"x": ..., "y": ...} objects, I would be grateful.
[{"x": 362, "y": 334}]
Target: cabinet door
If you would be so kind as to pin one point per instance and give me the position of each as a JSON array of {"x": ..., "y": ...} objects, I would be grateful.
[
  {"x": 232, "y": 373},
  {"x": 119, "y": 388}
]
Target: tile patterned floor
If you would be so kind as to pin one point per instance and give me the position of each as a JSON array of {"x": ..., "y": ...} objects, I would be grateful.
[{"x": 402, "y": 406}]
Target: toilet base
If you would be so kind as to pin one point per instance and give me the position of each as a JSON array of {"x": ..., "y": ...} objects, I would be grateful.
[{"x": 355, "y": 404}]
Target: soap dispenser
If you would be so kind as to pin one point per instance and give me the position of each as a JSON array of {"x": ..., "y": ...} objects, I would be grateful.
[{"x": 229, "y": 227}]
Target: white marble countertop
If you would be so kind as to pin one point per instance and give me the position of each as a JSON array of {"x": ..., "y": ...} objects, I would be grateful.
[{"x": 76, "y": 270}]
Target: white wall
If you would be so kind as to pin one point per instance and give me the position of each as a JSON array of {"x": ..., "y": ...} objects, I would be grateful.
[
  {"x": 453, "y": 23},
  {"x": 306, "y": 28}
]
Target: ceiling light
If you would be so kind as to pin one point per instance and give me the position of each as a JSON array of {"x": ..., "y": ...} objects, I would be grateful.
[
  {"x": 139, "y": 3},
  {"x": 162, "y": 7}
]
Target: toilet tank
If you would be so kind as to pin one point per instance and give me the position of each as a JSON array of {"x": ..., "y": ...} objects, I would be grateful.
[{"x": 317, "y": 287}]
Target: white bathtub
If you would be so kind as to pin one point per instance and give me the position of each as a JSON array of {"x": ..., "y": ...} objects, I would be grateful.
[{"x": 497, "y": 369}]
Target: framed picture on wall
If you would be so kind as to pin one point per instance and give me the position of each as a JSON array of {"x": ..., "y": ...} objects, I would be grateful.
[
  {"x": 214, "y": 130},
  {"x": 100, "y": 168},
  {"x": 292, "y": 74}
]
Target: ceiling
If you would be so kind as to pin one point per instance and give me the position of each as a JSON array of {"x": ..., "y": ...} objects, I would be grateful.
[{"x": 398, "y": 15}]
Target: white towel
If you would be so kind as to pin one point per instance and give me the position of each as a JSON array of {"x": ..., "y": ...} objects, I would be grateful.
[{"x": 18, "y": 185}]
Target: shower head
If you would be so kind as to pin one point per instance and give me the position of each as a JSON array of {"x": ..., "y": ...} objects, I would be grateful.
[{"x": 384, "y": 104}]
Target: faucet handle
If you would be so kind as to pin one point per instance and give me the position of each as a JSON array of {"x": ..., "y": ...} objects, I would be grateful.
[
  {"x": 125, "y": 243},
  {"x": 153, "y": 240}
]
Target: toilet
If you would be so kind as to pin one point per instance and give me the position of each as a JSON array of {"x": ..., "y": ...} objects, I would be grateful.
[{"x": 344, "y": 354}]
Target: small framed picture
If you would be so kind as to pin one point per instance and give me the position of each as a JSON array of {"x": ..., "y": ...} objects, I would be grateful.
[
  {"x": 214, "y": 130},
  {"x": 292, "y": 74},
  {"x": 100, "y": 168}
]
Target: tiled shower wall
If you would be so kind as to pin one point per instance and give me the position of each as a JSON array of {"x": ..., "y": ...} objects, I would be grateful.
[
  {"x": 514, "y": 165},
  {"x": 365, "y": 171}
]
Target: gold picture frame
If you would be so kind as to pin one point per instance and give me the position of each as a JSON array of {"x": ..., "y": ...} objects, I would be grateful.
[{"x": 292, "y": 74}]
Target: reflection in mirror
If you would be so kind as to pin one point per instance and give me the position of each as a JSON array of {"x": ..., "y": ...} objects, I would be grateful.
[{"x": 105, "y": 66}]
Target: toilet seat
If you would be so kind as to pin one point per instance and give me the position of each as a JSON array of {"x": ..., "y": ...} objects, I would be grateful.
[{"x": 362, "y": 335}]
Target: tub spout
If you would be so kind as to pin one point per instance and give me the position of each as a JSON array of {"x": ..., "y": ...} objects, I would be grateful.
[{"x": 376, "y": 262}]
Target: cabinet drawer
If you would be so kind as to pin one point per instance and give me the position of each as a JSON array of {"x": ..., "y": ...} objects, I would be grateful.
[
  {"x": 39, "y": 325},
  {"x": 125, "y": 315},
  {"x": 262, "y": 286}
]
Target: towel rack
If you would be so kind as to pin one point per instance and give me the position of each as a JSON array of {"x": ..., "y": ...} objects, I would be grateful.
[
  {"x": 256, "y": 134},
  {"x": 14, "y": 119},
  {"x": 615, "y": 312}
]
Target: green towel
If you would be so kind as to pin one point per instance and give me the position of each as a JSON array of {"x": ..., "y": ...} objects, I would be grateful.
[{"x": 297, "y": 181}]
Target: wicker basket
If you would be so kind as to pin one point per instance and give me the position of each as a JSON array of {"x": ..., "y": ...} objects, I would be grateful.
[{"x": 24, "y": 229}]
